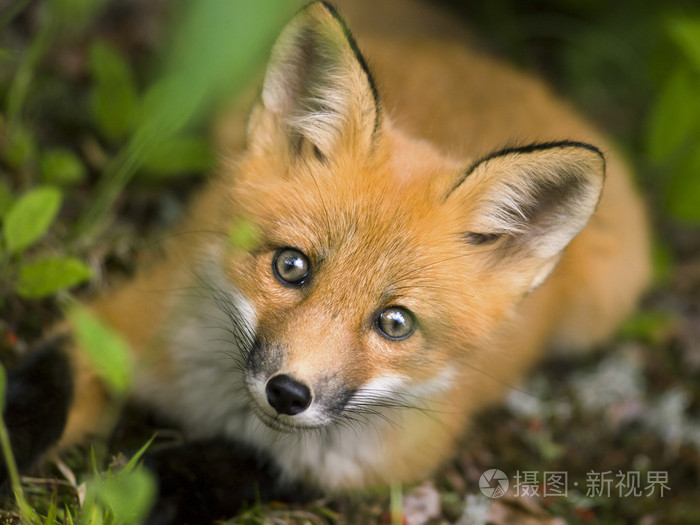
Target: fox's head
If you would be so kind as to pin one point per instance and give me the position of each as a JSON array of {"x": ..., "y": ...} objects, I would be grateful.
[{"x": 380, "y": 266}]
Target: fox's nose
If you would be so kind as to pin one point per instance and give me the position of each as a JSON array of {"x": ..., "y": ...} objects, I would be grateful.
[{"x": 287, "y": 396}]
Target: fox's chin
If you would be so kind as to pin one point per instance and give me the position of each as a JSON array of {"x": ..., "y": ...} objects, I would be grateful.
[{"x": 276, "y": 423}]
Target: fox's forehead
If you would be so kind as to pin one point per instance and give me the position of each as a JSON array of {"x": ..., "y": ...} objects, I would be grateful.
[
  {"x": 384, "y": 236},
  {"x": 390, "y": 197},
  {"x": 354, "y": 212}
]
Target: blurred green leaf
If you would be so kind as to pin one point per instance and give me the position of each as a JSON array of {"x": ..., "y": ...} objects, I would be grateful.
[
  {"x": 547, "y": 448},
  {"x": 686, "y": 33},
  {"x": 47, "y": 276},
  {"x": 20, "y": 147},
  {"x": 3, "y": 387},
  {"x": 107, "y": 351},
  {"x": 213, "y": 53},
  {"x": 683, "y": 191},
  {"x": 6, "y": 199},
  {"x": 61, "y": 166},
  {"x": 214, "y": 50},
  {"x": 114, "y": 97},
  {"x": 178, "y": 155},
  {"x": 74, "y": 14},
  {"x": 128, "y": 495},
  {"x": 30, "y": 217},
  {"x": 663, "y": 261},
  {"x": 649, "y": 326},
  {"x": 243, "y": 235},
  {"x": 674, "y": 116}
]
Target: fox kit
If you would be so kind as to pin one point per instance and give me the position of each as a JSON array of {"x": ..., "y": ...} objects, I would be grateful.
[{"x": 418, "y": 240}]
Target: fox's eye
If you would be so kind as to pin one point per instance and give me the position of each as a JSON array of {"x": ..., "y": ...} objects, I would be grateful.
[
  {"x": 290, "y": 266},
  {"x": 395, "y": 323}
]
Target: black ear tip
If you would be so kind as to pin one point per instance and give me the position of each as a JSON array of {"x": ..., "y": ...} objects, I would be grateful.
[
  {"x": 321, "y": 6},
  {"x": 330, "y": 7},
  {"x": 536, "y": 147},
  {"x": 526, "y": 149}
]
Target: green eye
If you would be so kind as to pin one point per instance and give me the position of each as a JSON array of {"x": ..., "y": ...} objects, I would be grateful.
[
  {"x": 395, "y": 323},
  {"x": 291, "y": 267}
]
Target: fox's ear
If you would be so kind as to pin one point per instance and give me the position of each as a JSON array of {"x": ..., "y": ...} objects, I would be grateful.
[
  {"x": 317, "y": 87},
  {"x": 529, "y": 203}
]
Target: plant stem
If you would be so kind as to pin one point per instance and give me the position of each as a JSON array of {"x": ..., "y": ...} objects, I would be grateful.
[
  {"x": 26, "y": 512},
  {"x": 116, "y": 175},
  {"x": 25, "y": 73}
]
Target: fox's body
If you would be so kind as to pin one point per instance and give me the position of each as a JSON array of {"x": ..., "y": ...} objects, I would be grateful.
[{"x": 407, "y": 213}]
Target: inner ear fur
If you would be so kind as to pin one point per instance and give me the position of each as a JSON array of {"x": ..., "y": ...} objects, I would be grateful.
[
  {"x": 317, "y": 87},
  {"x": 532, "y": 199}
]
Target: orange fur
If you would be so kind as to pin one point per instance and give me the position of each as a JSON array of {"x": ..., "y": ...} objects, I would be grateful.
[{"x": 378, "y": 213}]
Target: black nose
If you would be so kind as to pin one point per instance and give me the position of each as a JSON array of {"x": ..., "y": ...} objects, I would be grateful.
[{"x": 287, "y": 396}]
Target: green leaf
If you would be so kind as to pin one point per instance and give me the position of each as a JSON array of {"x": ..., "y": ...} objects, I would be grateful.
[
  {"x": 19, "y": 149},
  {"x": 663, "y": 261},
  {"x": 683, "y": 191},
  {"x": 134, "y": 461},
  {"x": 396, "y": 503},
  {"x": 216, "y": 49},
  {"x": 128, "y": 496},
  {"x": 61, "y": 166},
  {"x": 114, "y": 97},
  {"x": 30, "y": 217},
  {"x": 178, "y": 155},
  {"x": 107, "y": 351},
  {"x": 548, "y": 449},
  {"x": 686, "y": 33},
  {"x": 652, "y": 326},
  {"x": 674, "y": 116},
  {"x": 6, "y": 199},
  {"x": 52, "y": 514},
  {"x": 75, "y": 13},
  {"x": 47, "y": 276},
  {"x": 243, "y": 235}
]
